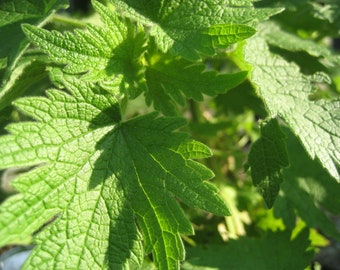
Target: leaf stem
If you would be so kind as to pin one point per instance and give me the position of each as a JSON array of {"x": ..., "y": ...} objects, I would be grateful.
[
  {"x": 66, "y": 20},
  {"x": 194, "y": 111}
]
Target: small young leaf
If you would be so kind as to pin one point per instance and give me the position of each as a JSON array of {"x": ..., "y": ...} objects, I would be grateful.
[
  {"x": 267, "y": 158},
  {"x": 285, "y": 91},
  {"x": 222, "y": 35},
  {"x": 195, "y": 26},
  {"x": 101, "y": 182}
]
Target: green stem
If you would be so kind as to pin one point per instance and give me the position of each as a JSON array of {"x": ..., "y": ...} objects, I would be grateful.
[
  {"x": 195, "y": 111},
  {"x": 68, "y": 21}
]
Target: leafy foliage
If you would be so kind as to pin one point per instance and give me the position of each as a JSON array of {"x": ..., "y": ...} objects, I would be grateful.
[
  {"x": 309, "y": 190},
  {"x": 116, "y": 49},
  {"x": 273, "y": 251},
  {"x": 276, "y": 36},
  {"x": 13, "y": 41},
  {"x": 15, "y": 13},
  {"x": 170, "y": 80},
  {"x": 207, "y": 24},
  {"x": 111, "y": 167},
  {"x": 100, "y": 53},
  {"x": 267, "y": 158},
  {"x": 314, "y": 122},
  {"x": 116, "y": 190}
]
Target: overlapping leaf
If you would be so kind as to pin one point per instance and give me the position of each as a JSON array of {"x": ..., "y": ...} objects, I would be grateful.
[
  {"x": 12, "y": 39},
  {"x": 171, "y": 80},
  {"x": 28, "y": 77},
  {"x": 315, "y": 18},
  {"x": 15, "y": 12},
  {"x": 286, "y": 91},
  {"x": 274, "y": 251},
  {"x": 96, "y": 177},
  {"x": 277, "y": 36},
  {"x": 190, "y": 27},
  {"x": 267, "y": 158},
  {"x": 100, "y": 53},
  {"x": 327, "y": 10},
  {"x": 309, "y": 189}
]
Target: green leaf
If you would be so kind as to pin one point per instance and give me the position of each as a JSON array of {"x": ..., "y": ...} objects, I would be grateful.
[
  {"x": 267, "y": 158},
  {"x": 27, "y": 77},
  {"x": 194, "y": 26},
  {"x": 100, "y": 53},
  {"x": 328, "y": 10},
  {"x": 274, "y": 251},
  {"x": 170, "y": 81},
  {"x": 286, "y": 93},
  {"x": 13, "y": 13},
  {"x": 310, "y": 191},
  {"x": 241, "y": 99},
  {"x": 281, "y": 38},
  {"x": 317, "y": 19},
  {"x": 107, "y": 187}
]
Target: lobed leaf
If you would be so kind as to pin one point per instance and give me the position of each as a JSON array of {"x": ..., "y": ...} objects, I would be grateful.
[
  {"x": 286, "y": 93},
  {"x": 193, "y": 27},
  {"x": 170, "y": 81},
  {"x": 107, "y": 187},
  {"x": 99, "y": 54}
]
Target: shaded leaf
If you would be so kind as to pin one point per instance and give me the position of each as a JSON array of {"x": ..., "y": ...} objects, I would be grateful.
[
  {"x": 309, "y": 190},
  {"x": 13, "y": 42},
  {"x": 170, "y": 81},
  {"x": 286, "y": 93},
  {"x": 276, "y": 36},
  {"x": 267, "y": 158},
  {"x": 28, "y": 77},
  {"x": 107, "y": 186},
  {"x": 274, "y": 251}
]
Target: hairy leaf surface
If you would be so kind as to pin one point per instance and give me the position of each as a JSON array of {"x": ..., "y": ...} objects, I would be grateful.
[
  {"x": 100, "y": 53},
  {"x": 308, "y": 189},
  {"x": 286, "y": 92},
  {"x": 190, "y": 27},
  {"x": 96, "y": 178}
]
